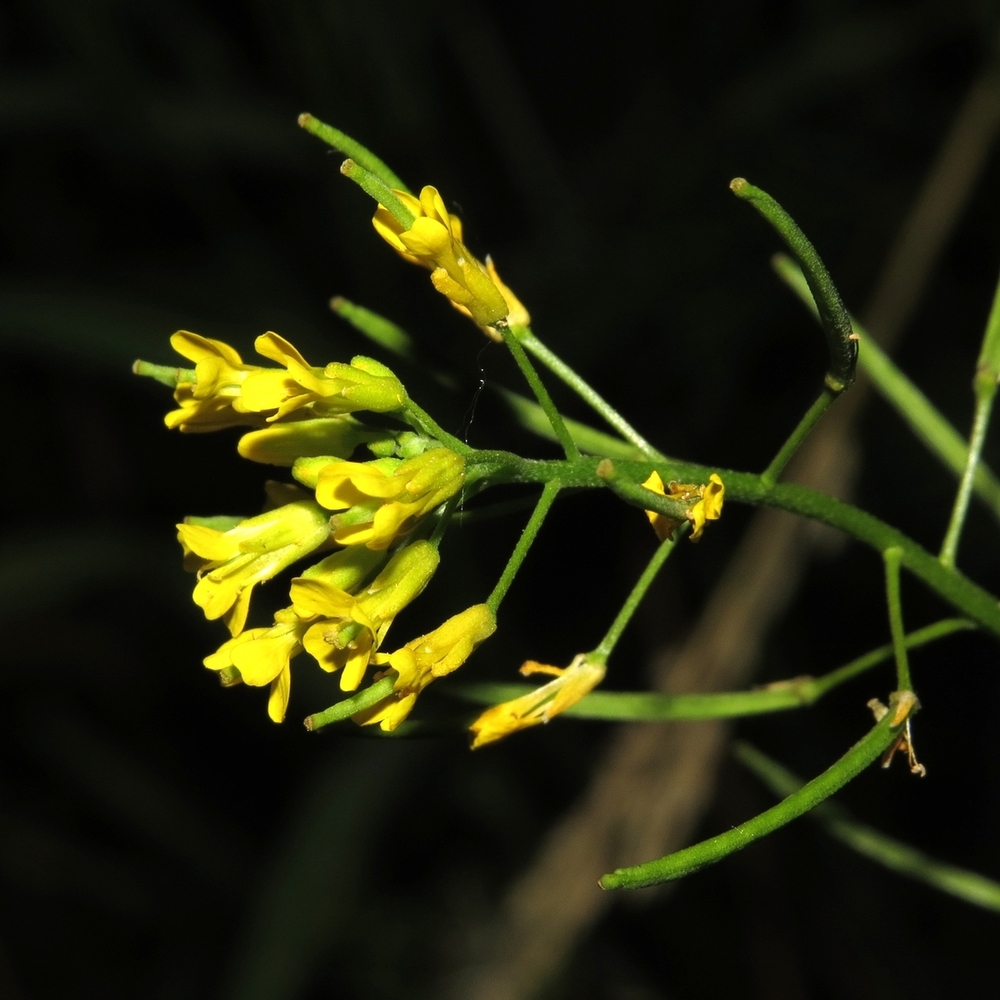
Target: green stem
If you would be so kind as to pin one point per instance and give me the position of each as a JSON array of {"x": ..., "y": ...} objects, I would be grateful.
[
  {"x": 836, "y": 323},
  {"x": 601, "y": 653},
  {"x": 922, "y": 636},
  {"x": 421, "y": 420},
  {"x": 867, "y": 750},
  {"x": 625, "y": 706},
  {"x": 588, "y": 439},
  {"x": 352, "y": 148},
  {"x": 523, "y": 546},
  {"x": 873, "y": 844},
  {"x": 985, "y": 394},
  {"x": 926, "y": 422},
  {"x": 492, "y": 467},
  {"x": 365, "y": 698},
  {"x": 770, "y": 475},
  {"x": 893, "y": 559},
  {"x": 541, "y": 393},
  {"x": 375, "y": 188},
  {"x": 586, "y": 392}
]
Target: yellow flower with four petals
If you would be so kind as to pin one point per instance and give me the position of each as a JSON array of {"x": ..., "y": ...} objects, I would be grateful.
[
  {"x": 233, "y": 562},
  {"x": 227, "y": 393}
]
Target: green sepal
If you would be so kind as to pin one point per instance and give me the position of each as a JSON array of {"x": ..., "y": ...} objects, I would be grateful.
[
  {"x": 220, "y": 522},
  {"x": 347, "y": 569}
]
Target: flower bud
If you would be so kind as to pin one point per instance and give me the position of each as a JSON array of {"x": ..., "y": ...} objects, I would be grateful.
[
  {"x": 422, "y": 660},
  {"x": 284, "y": 443},
  {"x": 384, "y": 499}
]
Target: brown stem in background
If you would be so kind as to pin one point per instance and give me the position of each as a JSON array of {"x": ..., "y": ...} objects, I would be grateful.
[{"x": 655, "y": 781}]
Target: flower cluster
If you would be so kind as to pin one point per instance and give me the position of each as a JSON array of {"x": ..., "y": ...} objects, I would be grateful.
[
  {"x": 374, "y": 525},
  {"x": 364, "y": 515}
]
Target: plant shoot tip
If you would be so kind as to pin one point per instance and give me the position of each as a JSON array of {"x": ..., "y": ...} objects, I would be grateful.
[
  {"x": 737, "y": 184},
  {"x": 304, "y": 119}
]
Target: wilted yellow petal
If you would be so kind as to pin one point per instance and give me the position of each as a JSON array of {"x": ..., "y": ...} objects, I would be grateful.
[{"x": 542, "y": 704}]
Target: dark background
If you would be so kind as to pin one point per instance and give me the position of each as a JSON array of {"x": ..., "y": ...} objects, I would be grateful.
[{"x": 159, "y": 837}]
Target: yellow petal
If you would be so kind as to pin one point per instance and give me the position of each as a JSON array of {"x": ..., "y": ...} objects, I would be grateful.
[
  {"x": 275, "y": 348},
  {"x": 194, "y": 347},
  {"x": 236, "y": 617},
  {"x": 277, "y": 701},
  {"x": 541, "y": 705},
  {"x": 427, "y": 238},
  {"x": 207, "y": 542},
  {"x": 316, "y": 597},
  {"x": 223, "y": 656},
  {"x": 517, "y": 314},
  {"x": 269, "y": 389},
  {"x": 357, "y": 663},
  {"x": 663, "y": 526},
  {"x": 261, "y": 659}
]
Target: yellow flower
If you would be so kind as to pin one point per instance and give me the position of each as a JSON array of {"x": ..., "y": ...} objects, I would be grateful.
[
  {"x": 541, "y": 705},
  {"x": 706, "y": 504},
  {"x": 384, "y": 499},
  {"x": 434, "y": 240},
  {"x": 212, "y": 401},
  {"x": 426, "y": 658},
  {"x": 234, "y": 561},
  {"x": 517, "y": 315},
  {"x": 227, "y": 393},
  {"x": 364, "y": 384},
  {"x": 351, "y": 627},
  {"x": 264, "y": 656}
]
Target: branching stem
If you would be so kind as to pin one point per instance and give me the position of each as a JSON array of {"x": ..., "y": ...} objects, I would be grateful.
[{"x": 586, "y": 392}]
